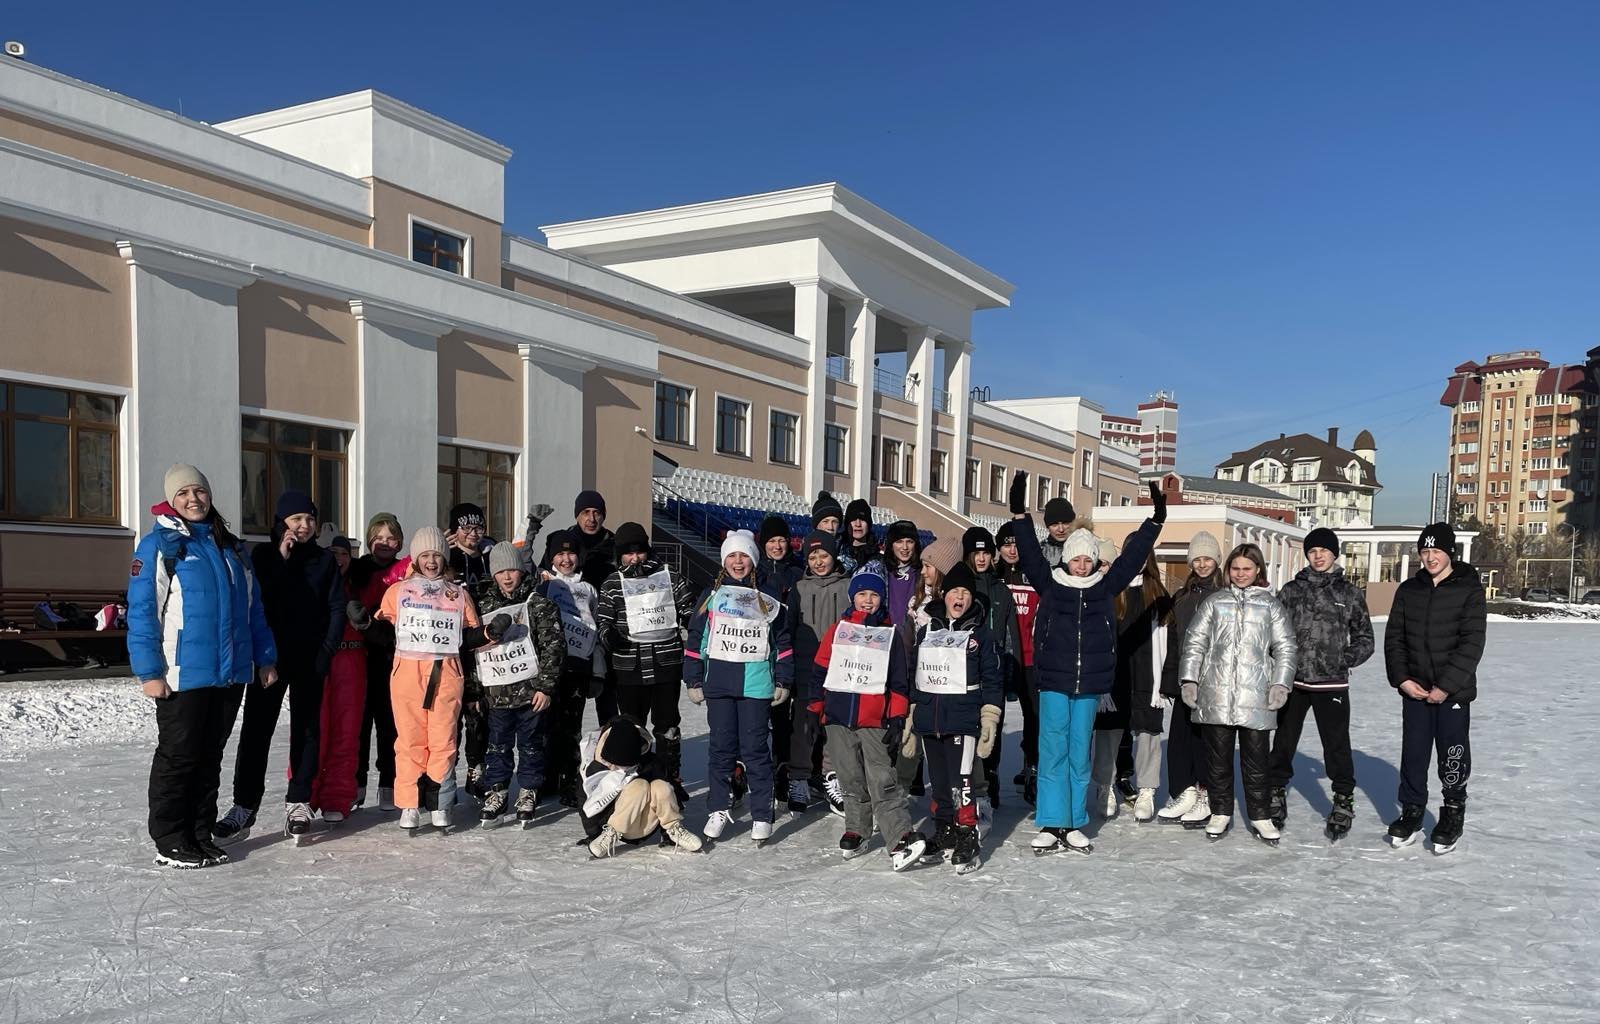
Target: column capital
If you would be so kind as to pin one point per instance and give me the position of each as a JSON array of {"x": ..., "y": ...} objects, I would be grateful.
[
  {"x": 161, "y": 259},
  {"x": 391, "y": 316},
  {"x": 532, "y": 353},
  {"x": 806, "y": 282}
]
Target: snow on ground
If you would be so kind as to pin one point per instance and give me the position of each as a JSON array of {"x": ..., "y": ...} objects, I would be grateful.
[{"x": 1156, "y": 925}]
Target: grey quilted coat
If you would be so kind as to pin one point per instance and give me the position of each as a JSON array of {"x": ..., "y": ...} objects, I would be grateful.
[{"x": 1240, "y": 643}]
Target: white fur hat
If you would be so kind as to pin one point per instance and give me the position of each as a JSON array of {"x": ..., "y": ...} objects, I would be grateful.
[{"x": 740, "y": 540}]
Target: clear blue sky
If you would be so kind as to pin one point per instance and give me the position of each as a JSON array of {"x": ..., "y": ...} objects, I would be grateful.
[{"x": 1294, "y": 215}]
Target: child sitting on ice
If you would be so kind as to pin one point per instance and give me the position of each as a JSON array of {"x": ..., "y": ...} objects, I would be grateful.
[{"x": 625, "y": 798}]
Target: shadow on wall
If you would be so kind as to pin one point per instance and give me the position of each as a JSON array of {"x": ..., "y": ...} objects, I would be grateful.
[
  {"x": 22, "y": 257},
  {"x": 600, "y": 394},
  {"x": 263, "y": 310}
]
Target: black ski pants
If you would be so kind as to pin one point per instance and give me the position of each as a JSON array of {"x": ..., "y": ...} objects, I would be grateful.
[
  {"x": 1186, "y": 751},
  {"x": 951, "y": 762},
  {"x": 262, "y": 705},
  {"x": 651, "y": 704},
  {"x": 1332, "y": 710},
  {"x": 566, "y": 728},
  {"x": 807, "y": 746},
  {"x": 378, "y": 716},
  {"x": 1253, "y": 752},
  {"x": 192, "y": 730},
  {"x": 1428, "y": 728}
]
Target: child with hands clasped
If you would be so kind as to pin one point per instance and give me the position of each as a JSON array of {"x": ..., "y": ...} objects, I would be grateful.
[{"x": 863, "y": 701}]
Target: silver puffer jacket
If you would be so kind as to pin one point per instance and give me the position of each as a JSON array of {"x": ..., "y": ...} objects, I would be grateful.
[{"x": 1240, "y": 643}]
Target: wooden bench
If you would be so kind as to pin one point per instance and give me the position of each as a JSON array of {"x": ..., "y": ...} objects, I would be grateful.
[{"x": 34, "y": 648}]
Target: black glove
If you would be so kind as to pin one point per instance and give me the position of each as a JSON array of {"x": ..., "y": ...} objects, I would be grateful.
[
  {"x": 1158, "y": 498},
  {"x": 893, "y": 730},
  {"x": 1019, "y": 493},
  {"x": 497, "y": 627},
  {"x": 356, "y": 614}
]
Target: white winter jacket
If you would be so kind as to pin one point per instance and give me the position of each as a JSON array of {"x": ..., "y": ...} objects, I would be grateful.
[{"x": 1239, "y": 645}]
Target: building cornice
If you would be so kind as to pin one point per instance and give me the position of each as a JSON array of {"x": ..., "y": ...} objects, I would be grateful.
[
  {"x": 165, "y": 260},
  {"x": 382, "y": 103}
]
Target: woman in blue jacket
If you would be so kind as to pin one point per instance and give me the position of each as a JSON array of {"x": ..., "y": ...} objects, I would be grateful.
[
  {"x": 196, "y": 637},
  {"x": 738, "y": 663},
  {"x": 1075, "y": 657}
]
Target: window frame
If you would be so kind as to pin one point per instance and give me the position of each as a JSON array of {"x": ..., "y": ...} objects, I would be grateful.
[
  {"x": 843, "y": 467},
  {"x": 999, "y": 490},
  {"x": 894, "y": 464},
  {"x": 9, "y": 417},
  {"x": 268, "y": 448},
  {"x": 939, "y": 475},
  {"x": 413, "y": 222},
  {"x": 500, "y": 531},
  {"x": 690, "y": 417},
  {"x": 974, "y": 476},
  {"x": 772, "y": 411},
  {"x": 716, "y": 424}
]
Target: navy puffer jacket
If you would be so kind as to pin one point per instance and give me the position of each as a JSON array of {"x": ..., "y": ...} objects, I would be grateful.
[
  {"x": 950, "y": 714},
  {"x": 1075, "y": 629}
]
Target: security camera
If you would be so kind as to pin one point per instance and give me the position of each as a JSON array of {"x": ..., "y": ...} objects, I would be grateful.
[{"x": 16, "y": 49}]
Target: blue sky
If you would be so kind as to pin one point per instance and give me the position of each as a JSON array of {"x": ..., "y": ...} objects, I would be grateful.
[{"x": 1293, "y": 215}]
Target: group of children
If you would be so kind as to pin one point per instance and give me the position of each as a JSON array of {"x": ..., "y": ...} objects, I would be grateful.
[{"x": 840, "y": 672}]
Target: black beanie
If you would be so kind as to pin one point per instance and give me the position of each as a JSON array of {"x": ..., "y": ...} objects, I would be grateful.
[
  {"x": 631, "y": 537},
  {"x": 826, "y": 505},
  {"x": 820, "y": 539},
  {"x": 1058, "y": 510},
  {"x": 1439, "y": 535},
  {"x": 559, "y": 541},
  {"x": 977, "y": 539},
  {"x": 294, "y": 503},
  {"x": 857, "y": 509},
  {"x": 1322, "y": 537},
  {"x": 960, "y": 576},
  {"x": 589, "y": 499},
  {"x": 466, "y": 514},
  {"x": 1006, "y": 534},
  {"x": 772, "y": 526},
  {"x": 902, "y": 529},
  {"x": 625, "y": 742}
]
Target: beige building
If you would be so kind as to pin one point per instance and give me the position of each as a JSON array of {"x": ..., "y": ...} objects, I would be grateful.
[
  {"x": 1330, "y": 486},
  {"x": 1523, "y": 443},
  {"x": 327, "y": 298}
]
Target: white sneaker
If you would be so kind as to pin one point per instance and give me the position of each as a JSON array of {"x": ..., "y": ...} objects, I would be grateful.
[
  {"x": 1200, "y": 813},
  {"x": 1109, "y": 801},
  {"x": 1144, "y": 805},
  {"x": 1179, "y": 805},
  {"x": 1218, "y": 824},
  {"x": 605, "y": 844},
  {"x": 385, "y": 798},
  {"x": 717, "y": 824},
  {"x": 333, "y": 817},
  {"x": 410, "y": 818},
  {"x": 761, "y": 831},
  {"x": 441, "y": 818},
  {"x": 682, "y": 838}
]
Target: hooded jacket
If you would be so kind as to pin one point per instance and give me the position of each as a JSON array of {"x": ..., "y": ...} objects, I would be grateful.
[
  {"x": 1436, "y": 634},
  {"x": 860, "y": 710},
  {"x": 1075, "y": 629},
  {"x": 1239, "y": 645},
  {"x": 627, "y": 655},
  {"x": 936, "y": 714},
  {"x": 1185, "y": 605},
  {"x": 470, "y": 570},
  {"x": 304, "y": 599},
  {"x": 202, "y": 623},
  {"x": 549, "y": 645},
  {"x": 819, "y": 602},
  {"x": 720, "y": 678},
  {"x": 1331, "y": 627},
  {"x": 1026, "y": 602}
]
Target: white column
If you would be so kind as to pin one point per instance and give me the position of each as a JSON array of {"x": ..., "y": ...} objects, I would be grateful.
[
  {"x": 396, "y": 443},
  {"x": 550, "y": 469},
  {"x": 919, "y": 361},
  {"x": 960, "y": 378},
  {"x": 184, "y": 405},
  {"x": 811, "y": 326},
  {"x": 863, "y": 345}
]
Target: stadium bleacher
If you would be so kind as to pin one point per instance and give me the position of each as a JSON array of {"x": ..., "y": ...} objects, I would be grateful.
[{"x": 713, "y": 503}]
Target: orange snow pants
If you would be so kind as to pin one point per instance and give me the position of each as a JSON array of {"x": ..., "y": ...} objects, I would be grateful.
[{"x": 425, "y": 738}]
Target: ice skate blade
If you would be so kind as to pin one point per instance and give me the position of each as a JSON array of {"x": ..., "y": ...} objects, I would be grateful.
[
  {"x": 1440, "y": 849},
  {"x": 1263, "y": 839},
  {"x": 179, "y": 865},
  {"x": 911, "y": 855},
  {"x": 227, "y": 841},
  {"x": 1192, "y": 826},
  {"x": 969, "y": 867},
  {"x": 860, "y": 851},
  {"x": 1218, "y": 836},
  {"x": 1402, "y": 843}
]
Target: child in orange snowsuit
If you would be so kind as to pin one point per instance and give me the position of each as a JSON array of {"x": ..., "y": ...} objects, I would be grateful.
[{"x": 434, "y": 620}]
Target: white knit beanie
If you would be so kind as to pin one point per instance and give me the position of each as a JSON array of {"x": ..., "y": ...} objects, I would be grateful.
[
  {"x": 1108, "y": 551},
  {"x": 740, "y": 540},
  {"x": 1203, "y": 545},
  {"x": 1080, "y": 542},
  {"x": 428, "y": 538},
  {"x": 182, "y": 475}
]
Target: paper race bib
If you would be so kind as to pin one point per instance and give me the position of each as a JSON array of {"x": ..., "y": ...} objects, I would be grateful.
[
  {"x": 513, "y": 659},
  {"x": 942, "y": 662},
  {"x": 577, "y": 620},
  {"x": 738, "y": 625},
  {"x": 419, "y": 630},
  {"x": 860, "y": 661},
  {"x": 652, "y": 615}
]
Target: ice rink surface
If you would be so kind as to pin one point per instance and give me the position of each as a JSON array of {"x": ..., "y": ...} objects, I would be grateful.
[{"x": 1156, "y": 925}]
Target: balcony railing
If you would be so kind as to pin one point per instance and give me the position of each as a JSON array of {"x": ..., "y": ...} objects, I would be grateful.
[
  {"x": 894, "y": 385},
  {"x": 941, "y": 400},
  {"x": 842, "y": 369}
]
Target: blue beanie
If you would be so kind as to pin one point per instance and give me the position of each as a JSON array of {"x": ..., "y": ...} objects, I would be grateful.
[{"x": 869, "y": 579}]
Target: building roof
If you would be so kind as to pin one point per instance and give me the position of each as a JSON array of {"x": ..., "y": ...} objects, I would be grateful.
[
  {"x": 1232, "y": 488},
  {"x": 1365, "y": 442},
  {"x": 1286, "y": 449},
  {"x": 1465, "y": 382}
]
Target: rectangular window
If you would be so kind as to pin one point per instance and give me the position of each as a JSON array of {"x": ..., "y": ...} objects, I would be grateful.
[
  {"x": 939, "y": 473},
  {"x": 58, "y": 455},
  {"x": 438, "y": 248},
  {"x": 834, "y": 445},
  {"x": 889, "y": 466},
  {"x": 733, "y": 426},
  {"x": 674, "y": 413},
  {"x": 485, "y": 478},
  {"x": 998, "y": 488},
  {"x": 909, "y": 472},
  {"x": 783, "y": 441},
  {"x": 1126, "y": 501},
  {"x": 280, "y": 455},
  {"x": 974, "y": 474},
  {"x": 1044, "y": 491},
  {"x": 1105, "y": 499},
  {"x": 1062, "y": 489},
  {"x": 1088, "y": 469}
]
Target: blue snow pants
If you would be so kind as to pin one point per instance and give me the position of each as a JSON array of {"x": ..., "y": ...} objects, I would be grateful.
[{"x": 1066, "y": 732}]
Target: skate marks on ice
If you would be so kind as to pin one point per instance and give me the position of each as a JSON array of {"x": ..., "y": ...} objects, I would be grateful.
[{"x": 1156, "y": 925}]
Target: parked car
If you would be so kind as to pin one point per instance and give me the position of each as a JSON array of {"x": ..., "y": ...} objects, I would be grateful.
[
  {"x": 1538, "y": 594},
  {"x": 1590, "y": 596}
]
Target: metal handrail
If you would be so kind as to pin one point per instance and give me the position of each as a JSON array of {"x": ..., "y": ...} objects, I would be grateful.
[
  {"x": 895, "y": 385},
  {"x": 841, "y": 368}
]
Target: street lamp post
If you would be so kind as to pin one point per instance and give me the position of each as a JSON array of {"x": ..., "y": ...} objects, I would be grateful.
[{"x": 1572, "y": 558}]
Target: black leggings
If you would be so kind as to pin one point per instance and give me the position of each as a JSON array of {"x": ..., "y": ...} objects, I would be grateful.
[{"x": 377, "y": 716}]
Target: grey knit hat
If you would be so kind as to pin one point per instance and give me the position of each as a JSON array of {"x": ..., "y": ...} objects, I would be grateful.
[
  {"x": 503, "y": 556},
  {"x": 1203, "y": 545},
  {"x": 182, "y": 475}
]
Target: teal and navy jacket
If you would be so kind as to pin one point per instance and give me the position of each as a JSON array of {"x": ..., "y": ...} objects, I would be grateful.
[
  {"x": 194, "y": 609},
  {"x": 733, "y": 678}
]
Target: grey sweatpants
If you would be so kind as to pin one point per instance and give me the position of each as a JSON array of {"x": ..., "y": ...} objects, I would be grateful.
[
  {"x": 1146, "y": 758},
  {"x": 871, "y": 786}
]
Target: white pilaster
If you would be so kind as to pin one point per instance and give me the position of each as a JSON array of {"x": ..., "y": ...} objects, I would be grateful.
[
  {"x": 961, "y": 406},
  {"x": 184, "y": 405},
  {"x": 863, "y": 346},
  {"x": 395, "y": 447},
  {"x": 811, "y": 326},
  {"x": 551, "y": 466},
  {"x": 919, "y": 363}
]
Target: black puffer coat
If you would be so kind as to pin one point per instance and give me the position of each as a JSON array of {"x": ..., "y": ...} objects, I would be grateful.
[
  {"x": 304, "y": 598},
  {"x": 1436, "y": 633},
  {"x": 1185, "y": 604},
  {"x": 1136, "y": 668},
  {"x": 1331, "y": 627}
]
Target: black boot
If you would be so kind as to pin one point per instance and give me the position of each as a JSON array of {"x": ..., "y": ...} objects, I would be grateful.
[
  {"x": 1407, "y": 828},
  {"x": 1341, "y": 817},
  {"x": 1030, "y": 786},
  {"x": 1452, "y": 820},
  {"x": 669, "y": 750}
]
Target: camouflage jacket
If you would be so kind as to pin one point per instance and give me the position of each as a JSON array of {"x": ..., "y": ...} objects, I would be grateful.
[
  {"x": 1331, "y": 626},
  {"x": 549, "y": 643}
]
